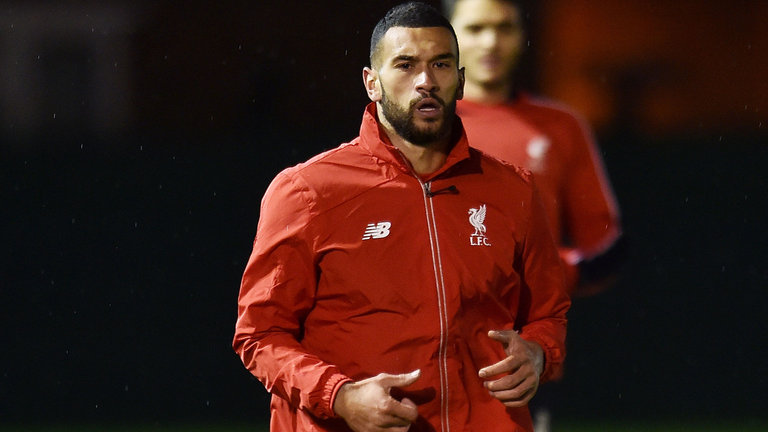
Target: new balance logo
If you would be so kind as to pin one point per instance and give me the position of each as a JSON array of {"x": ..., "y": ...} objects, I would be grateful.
[{"x": 377, "y": 230}]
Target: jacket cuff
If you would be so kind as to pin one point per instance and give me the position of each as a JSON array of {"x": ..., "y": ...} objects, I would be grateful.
[
  {"x": 554, "y": 357},
  {"x": 570, "y": 258},
  {"x": 332, "y": 387},
  {"x": 553, "y": 364}
]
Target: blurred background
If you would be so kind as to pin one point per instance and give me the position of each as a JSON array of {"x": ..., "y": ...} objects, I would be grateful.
[{"x": 137, "y": 138}]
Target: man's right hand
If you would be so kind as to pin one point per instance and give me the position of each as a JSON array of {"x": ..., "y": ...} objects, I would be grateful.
[{"x": 367, "y": 405}]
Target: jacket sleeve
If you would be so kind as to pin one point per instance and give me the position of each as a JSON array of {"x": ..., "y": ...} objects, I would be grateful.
[
  {"x": 276, "y": 294},
  {"x": 544, "y": 301},
  {"x": 590, "y": 211}
]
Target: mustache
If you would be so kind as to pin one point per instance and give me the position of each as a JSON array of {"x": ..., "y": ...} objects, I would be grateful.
[{"x": 437, "y": 98}]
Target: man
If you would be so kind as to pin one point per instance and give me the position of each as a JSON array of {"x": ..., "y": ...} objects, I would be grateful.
[
  {"x": 403, "y": 281},
  {"x": 545, "y": 138},
  {"x": 539, "y": 135}
]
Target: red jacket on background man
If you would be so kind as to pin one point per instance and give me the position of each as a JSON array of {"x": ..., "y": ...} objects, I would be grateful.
[
  {"x": 554, "y": 144},
  {"x": 361, "y": 267}
]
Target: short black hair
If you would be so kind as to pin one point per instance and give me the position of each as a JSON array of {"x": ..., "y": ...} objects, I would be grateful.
[
  {"x": 449, "y": 6},
  {"x": 410, "y": 15}
]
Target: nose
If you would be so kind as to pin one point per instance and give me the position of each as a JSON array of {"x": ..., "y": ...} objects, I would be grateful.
[
  {"x": 425, "y": 82},
  {"x": 489, "y": 38}
]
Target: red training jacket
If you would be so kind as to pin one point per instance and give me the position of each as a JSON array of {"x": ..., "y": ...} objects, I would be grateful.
[
  {"x": 360, "y": 267},
  {"x": 558, "y": 148}
]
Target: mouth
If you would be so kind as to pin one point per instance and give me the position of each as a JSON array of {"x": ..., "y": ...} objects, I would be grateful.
[
  {"x": 490, "y": 61},
  {"x": 429, "y": 107}
]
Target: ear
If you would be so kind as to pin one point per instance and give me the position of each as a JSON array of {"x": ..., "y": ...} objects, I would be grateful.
[
  {"x": 460, "y": 88},
  {"x": 372, "y": 84}
]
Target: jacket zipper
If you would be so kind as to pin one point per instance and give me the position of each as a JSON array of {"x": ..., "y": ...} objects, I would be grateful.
[
  {"x": 441, "y": 302},
  {"x": 440, "y": 290}
]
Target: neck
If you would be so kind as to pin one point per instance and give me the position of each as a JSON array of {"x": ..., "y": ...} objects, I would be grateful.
[
  {"x": 425, "y": 159},
  {"x": 488, "y": 93}
]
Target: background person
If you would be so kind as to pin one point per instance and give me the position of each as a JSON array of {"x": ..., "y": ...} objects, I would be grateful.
[{"x": 543, "y": 136}]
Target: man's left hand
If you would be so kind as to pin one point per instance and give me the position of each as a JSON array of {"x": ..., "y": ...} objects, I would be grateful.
[{"x": 522, "y": 368}]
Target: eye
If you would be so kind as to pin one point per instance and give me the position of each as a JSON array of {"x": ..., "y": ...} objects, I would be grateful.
[
  {"x": 403, "y": 66},
  {"x": 474, "y": 28},
  {"x": 508, "y": 28},
  {"x": 442, "y": 65}
]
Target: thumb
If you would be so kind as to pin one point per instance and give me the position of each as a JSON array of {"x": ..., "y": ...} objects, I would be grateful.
[
  {"x": 400, "y": 380},
  {"x": 503, "y": 336}
]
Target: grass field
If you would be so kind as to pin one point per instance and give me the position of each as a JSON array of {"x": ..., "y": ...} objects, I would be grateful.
[
  {"x": 732, "y": 426},
  {"x": 744, "y": 426}
]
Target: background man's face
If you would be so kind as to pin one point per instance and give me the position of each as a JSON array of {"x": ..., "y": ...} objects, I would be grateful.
[{"x": 491, "y": 36}]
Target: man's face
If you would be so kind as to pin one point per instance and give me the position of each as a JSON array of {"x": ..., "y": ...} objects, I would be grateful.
[
  {"x": 419, "y": 81},
  {"x": 491, "y": 36}
]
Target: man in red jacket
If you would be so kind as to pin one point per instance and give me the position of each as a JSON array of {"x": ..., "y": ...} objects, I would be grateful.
[
  {"x": 404, "y": 280},
  {"x": 540, "y": 135},
  {"x": 545, "y": 137}
]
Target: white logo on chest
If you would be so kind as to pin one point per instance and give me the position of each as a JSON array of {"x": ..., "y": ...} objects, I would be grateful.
[
  {"x": 377, "y": 230},
  {"x": 537, "y": 153},
  {"x": 477, "y": 220}
]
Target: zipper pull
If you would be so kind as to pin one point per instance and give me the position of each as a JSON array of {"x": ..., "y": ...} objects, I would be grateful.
[{"x": 452, "y": 189}]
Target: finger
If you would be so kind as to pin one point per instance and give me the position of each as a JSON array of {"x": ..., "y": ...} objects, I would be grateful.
[
  {"x": 392, "y": 421},
  {"x": 503, "y": 336},
  {"x": 394, "y": 413},
  {"x": 405, "y": 410},
  {"x": 509, "y": 364},
  {"x": 507, "y": 382},
  {"x": 400, "y": 380},
  {"x": 511, "y": 387},
  {"x": 515, "y": 397}
]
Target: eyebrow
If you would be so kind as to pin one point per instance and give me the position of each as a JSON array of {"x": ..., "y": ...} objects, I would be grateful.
[{"x": 405, "y": 57}]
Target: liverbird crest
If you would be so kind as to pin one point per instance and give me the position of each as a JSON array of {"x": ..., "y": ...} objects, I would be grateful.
[{"x": 477, "y": 219}]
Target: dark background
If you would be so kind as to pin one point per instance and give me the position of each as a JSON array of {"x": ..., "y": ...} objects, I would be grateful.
[{"x": 138, "y": 137}]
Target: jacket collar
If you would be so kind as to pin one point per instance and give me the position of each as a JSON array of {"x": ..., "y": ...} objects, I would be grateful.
[{"x": 377, "y": 143}]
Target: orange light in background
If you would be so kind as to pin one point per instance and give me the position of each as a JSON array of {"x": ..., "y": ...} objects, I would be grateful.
[{"x": 664, "y": 67}]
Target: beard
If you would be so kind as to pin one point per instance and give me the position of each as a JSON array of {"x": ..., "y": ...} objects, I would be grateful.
[{"x": 402, "y": 120}]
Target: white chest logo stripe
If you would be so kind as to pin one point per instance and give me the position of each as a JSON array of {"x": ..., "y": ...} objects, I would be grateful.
[
  {"x": 477, "y": 220},
  {"x": 377, "y": 230},
  {"x": 537, "y": 153}
]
